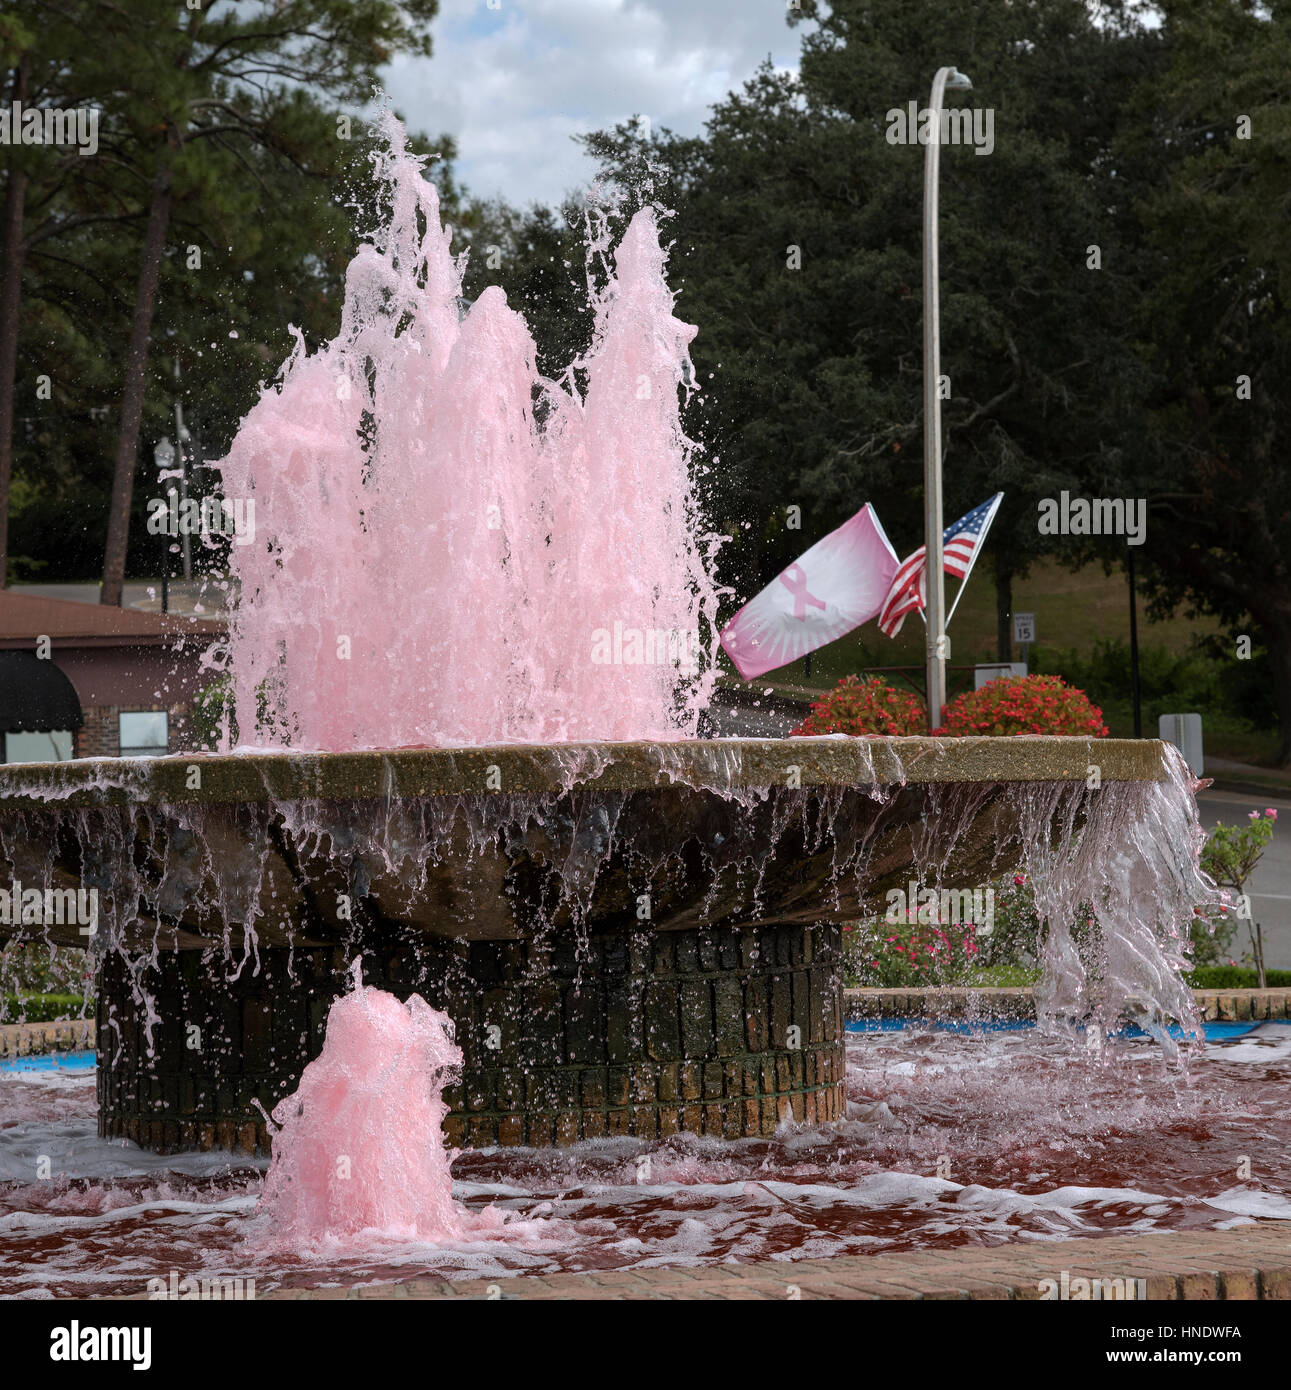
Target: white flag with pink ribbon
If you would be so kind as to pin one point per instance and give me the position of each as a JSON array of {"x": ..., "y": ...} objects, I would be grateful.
[{"x": 837, "y": 585}]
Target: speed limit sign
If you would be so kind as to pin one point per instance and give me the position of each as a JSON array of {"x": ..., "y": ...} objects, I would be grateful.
[{"x": 1024, "y": 627}]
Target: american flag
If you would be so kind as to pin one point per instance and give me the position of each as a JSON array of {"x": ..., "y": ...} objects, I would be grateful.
[{"x": 959, "y": 542}]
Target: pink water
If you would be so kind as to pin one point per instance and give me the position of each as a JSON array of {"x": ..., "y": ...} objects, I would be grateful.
[
  {"x": 430, "y": 566},
  {"x": 1042, "y": 1143},
  {"x": 358, "y": 1145}
]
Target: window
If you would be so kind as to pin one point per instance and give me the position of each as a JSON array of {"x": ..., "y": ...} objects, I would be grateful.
[
  {"x": 52, "y": 747},
  {"x": 144, "y": 733}
]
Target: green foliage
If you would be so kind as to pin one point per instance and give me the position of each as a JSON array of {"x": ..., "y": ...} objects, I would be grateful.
[
  {"x": 1229, "y": 856},
  {"x": 41, "y": 983},
  {"x": 1234, "y": 977},
  {"x": 212, "y": 708},
  {"x": 1234, "y": 696},
  {"x": 1023, "y": 705},
  {"x": 1233, "y": 851},
  {"x": 27, "y": 968},
  {"x": 884, "y": 954},
  {"x": 44, "y": 1008},
  {"x": 811, "y": 384},
  {"x": 244, "y": 100},
  {"x": 1212, "y": 142}
]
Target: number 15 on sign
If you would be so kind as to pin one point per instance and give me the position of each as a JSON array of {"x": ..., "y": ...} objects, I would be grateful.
[{"x": 1024, "y": 627}]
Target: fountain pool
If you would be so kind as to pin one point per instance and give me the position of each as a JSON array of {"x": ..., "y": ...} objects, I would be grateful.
[{"x": 1039, "y": 1141}]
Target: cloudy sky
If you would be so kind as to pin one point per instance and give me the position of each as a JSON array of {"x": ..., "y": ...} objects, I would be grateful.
[{"x": 513, "y": 80}]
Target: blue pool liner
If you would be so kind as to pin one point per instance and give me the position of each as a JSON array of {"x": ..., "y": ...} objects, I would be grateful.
[
  {"x": 1216, "y": 1031},
  {"x": 52, "y": 1061}
]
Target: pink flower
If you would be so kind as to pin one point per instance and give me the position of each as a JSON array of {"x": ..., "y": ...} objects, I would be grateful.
[
  {"x": 1271, "y": 812},
  {"x": 1252, "y": 815}
]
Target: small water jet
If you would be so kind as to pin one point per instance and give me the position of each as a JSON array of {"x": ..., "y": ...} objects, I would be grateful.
[{"x": 358, "y": 1146}]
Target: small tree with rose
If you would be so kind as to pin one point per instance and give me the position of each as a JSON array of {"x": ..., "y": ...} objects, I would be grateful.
[{"x": 1229, "y": 857}]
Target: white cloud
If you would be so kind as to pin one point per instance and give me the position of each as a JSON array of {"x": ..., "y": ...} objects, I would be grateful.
[{"x": 513, "y": 84}]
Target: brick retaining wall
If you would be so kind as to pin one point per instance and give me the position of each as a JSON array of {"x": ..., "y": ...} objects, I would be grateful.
[
  {"x": 1230, "y": 1005},
  {"x": 30, "y": 1039},
  {"x": 722, "y": 1032}
]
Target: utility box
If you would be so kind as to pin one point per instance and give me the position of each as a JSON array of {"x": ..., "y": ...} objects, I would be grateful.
[
  {"x": 1184, "y": 731},
  {"x": 993, "y": 670}
]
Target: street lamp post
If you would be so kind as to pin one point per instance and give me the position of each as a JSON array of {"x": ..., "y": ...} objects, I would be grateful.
[
  {"x": 182, "y": 438},
  {"x": 163, "y": 455},
  {"x": 934, "y": 576}
]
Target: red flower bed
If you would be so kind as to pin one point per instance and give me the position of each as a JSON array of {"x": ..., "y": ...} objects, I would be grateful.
[
  {"x": 1023, "y": 705},
  {"x": 859, "y": 707}
]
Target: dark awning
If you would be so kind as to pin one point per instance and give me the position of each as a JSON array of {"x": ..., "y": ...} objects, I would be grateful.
[{"x": 35, "y": 696}]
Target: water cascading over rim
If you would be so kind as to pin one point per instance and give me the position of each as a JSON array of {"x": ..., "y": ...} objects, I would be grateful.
[{"x": 630, "y": 938}]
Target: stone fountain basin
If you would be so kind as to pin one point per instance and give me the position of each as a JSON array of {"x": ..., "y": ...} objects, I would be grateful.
[{"x": 475, "y": 844}]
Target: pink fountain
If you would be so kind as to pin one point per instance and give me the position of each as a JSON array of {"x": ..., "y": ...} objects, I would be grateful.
[
  {"x": 358, "y": 1149},
  {"x": 437, "y": 570},
  {"x": 469, "y": 652}
]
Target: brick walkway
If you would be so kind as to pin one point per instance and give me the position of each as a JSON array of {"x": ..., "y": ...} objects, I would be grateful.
[{"x": 1251, "y": 1262}]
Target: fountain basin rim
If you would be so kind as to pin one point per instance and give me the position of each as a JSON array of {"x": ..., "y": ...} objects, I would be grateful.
[{"x": 715, "y": 766}]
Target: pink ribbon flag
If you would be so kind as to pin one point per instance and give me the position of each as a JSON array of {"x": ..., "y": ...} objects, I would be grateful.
[{"x": 840, "y": 583}]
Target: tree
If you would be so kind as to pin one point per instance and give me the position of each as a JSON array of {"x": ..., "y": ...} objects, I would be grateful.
[
  {"x": 798, "y": 251},
  {"x": 33, "y": 54},
  {"x": 1215, "y": 329},
  {"x": 224, "y": 74}
]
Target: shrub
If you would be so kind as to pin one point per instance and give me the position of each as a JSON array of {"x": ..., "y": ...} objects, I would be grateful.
[
  {"x": 1023, "y": 705},
  {"x": 1235, "y": 977},
  {"x": 890, "y": 955},
  {"x": 861, "y": 707},
  {"x": 1234, "y": 696},
  {"x": 43, "y": 1008},
  {"x": 29, "y": 968}
]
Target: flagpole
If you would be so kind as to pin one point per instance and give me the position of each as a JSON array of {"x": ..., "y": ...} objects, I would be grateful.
[{"x": 935, "y": 579}]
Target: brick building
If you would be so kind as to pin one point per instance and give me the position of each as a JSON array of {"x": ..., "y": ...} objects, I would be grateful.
[{"x": 81, "y": 680}]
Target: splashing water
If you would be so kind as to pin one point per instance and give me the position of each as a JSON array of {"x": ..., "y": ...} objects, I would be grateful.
[
  {"x": 432, "y": 568},
  {"x": 359, "y": 1149}
]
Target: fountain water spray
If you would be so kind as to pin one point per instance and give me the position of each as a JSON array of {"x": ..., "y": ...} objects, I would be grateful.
[
  {"x": 358, "y": 1148},
  {"x": 431, "y": 567}
]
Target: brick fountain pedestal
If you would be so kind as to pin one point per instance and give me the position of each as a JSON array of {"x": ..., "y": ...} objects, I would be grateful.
[{"x": 631, "y": 939}]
